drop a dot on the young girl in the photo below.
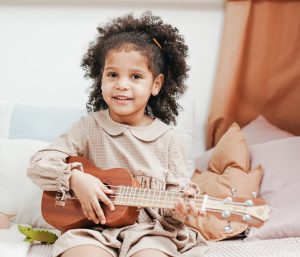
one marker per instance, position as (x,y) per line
(138,67)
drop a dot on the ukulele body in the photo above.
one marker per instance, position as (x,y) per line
(70,216)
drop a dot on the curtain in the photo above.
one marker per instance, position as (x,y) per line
(259,67)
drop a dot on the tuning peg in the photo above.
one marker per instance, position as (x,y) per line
(228,228)
(246,217)
(228,199)
(249,202)
(233,191)
(225,214)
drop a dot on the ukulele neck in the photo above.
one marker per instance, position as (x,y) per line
(138,197)
(129,196)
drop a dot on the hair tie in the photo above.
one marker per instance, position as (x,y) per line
(156,42)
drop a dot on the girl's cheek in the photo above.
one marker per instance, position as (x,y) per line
(105,89)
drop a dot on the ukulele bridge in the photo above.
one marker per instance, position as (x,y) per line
(60,198)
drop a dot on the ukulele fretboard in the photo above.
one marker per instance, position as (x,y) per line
(138,197)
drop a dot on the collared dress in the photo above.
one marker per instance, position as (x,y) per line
(154,155)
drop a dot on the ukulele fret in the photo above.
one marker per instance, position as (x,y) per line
(145,198)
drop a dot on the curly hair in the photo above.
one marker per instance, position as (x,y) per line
(160,43)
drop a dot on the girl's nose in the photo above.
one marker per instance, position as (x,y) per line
(122,84)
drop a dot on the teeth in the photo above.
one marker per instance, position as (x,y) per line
(122,98)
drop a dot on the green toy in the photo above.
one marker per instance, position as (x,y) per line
(32,234)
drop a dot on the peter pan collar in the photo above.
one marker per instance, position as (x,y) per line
(149,133)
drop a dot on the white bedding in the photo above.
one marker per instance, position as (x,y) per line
(11,243)
(286,247)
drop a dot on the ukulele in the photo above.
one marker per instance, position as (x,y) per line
(63,210)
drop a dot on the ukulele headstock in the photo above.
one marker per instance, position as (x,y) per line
(252,211)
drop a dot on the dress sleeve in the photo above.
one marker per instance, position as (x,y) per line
(177,178)
(48,168)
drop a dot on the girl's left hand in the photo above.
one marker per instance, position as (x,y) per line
(189,209)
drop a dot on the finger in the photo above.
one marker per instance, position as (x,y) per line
(98,210)
(201,212)
(182,208)
(189,191)
(91,213)
(176,207)
(105,189)
(192,209)
(84,210)
(103,197)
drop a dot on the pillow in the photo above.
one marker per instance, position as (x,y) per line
(4,221)
(41,122)
(18,195)
(256,132)
(261,130)
(228,169)
(186,128)
(280,187)
(5,115)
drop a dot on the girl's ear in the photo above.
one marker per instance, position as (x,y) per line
(157,84)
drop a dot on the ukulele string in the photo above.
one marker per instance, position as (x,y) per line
(133,197)
(176,194)
(187,204)
(198,199)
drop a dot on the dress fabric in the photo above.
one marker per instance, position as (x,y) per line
(154,154)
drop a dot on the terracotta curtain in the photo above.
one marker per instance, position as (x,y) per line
(259,67)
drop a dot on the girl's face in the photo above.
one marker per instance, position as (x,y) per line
(127,85)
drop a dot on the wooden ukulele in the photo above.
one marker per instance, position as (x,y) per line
(63,211)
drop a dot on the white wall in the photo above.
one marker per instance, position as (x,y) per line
(41,47)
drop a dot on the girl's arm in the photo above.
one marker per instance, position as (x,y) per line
(49,170)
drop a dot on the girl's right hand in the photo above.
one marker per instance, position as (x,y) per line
(89,190)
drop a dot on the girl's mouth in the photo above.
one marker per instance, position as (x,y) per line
(122,99)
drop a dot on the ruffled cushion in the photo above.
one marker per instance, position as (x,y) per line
(228,169)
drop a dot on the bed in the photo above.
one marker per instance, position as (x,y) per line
(259,91)
(20,197)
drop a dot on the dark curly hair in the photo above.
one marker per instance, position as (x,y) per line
(166,56)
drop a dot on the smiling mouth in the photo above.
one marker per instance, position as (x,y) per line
(122,98)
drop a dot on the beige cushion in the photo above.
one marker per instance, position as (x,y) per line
(258,131)
(228,169)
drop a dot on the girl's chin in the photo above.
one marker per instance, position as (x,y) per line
(122,109)
(121,112)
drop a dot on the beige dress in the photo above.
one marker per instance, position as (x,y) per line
(156,158)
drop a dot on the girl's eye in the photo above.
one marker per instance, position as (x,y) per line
(112,74)
(136,76)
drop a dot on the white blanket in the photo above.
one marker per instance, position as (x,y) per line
(11,242)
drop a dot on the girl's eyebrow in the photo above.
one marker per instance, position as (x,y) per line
(131,70)
(110,68)
(138,70)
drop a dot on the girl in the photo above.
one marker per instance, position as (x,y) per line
(138,68)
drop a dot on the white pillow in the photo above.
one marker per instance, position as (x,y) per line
(18,195)
(186,128)
(5,116)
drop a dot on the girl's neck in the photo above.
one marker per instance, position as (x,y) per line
(142,121)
